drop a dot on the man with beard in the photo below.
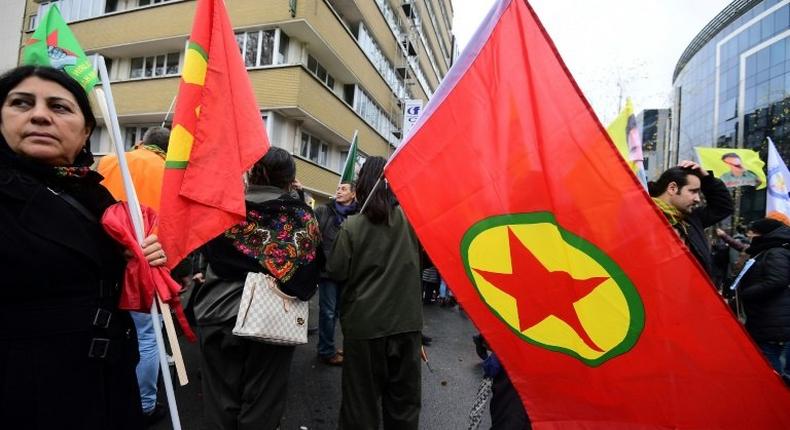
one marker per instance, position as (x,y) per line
(678,192)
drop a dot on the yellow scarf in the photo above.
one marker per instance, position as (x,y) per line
(674,216)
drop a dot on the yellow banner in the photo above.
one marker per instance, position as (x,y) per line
(618,131)
(735,167)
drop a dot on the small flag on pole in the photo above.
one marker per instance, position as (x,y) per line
(778,182)
(54,45)
(349,167)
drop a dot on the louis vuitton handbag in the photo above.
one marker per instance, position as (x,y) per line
(268,315)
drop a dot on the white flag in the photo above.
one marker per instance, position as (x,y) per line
(777,198)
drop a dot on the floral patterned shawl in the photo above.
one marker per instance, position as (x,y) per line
(281,234)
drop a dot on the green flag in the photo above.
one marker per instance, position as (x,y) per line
(347,174)
(54,45)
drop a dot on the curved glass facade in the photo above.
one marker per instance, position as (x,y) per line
(735,90)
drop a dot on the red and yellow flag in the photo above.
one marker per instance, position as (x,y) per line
(598,312)
(217,135)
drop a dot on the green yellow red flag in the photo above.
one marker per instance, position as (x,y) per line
(600,315)
(217,135)
(53,44)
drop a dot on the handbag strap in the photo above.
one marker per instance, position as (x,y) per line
(271,282)
(76,205)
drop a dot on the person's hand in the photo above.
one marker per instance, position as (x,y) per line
(688,164)
(153,252)
(198,278)
(720,232)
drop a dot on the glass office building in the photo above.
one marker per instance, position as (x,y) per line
(732,87)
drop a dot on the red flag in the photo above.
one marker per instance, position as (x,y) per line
(599,314)
(217,135)
(140,280)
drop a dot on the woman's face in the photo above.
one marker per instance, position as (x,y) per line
(42,120)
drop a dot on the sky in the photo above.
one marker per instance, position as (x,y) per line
(611,45)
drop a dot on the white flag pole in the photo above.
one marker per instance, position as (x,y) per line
(170,109)
(107,106)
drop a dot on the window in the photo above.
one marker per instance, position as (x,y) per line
(154,66)
(99,144)
(72,10)
(314,149)
(374,116)
(283,48)
(380,61)
(257,47)
(132,135)
(111,6)
(150,2)
(320,72)
(108,64)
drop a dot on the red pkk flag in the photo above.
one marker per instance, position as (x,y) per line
(602,318)
(217,135)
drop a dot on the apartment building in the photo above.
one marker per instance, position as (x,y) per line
(320,69)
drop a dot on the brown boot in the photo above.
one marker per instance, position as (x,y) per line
(333,360)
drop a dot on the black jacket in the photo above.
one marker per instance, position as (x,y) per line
(765,288)
(326,214)
(718,206)
(217,301)
(58,268)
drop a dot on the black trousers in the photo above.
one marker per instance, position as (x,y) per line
(382,375)
(244,381)
(507,410)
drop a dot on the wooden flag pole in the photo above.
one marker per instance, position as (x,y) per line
(106,104)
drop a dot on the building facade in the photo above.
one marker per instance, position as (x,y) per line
(320,69)
(732,87)
(654,124)
(11,32)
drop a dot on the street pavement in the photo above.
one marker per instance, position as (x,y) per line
(314,388)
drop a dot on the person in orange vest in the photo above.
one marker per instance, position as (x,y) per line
(147,167)
(146,164)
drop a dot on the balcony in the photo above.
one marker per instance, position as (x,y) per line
(288,90)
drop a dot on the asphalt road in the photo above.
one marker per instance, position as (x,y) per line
(314,388)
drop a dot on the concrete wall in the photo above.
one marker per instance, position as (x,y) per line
(12,18)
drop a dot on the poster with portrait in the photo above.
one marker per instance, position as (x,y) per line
(735,167)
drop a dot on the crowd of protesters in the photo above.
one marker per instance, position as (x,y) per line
(67,349)
(751,268)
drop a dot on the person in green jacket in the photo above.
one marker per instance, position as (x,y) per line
(376,259)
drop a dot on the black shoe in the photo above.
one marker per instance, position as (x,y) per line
(154,415)
(426,341)
(481,348)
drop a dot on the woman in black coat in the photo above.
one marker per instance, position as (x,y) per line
(245,381)
(765,291)
(67,354)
